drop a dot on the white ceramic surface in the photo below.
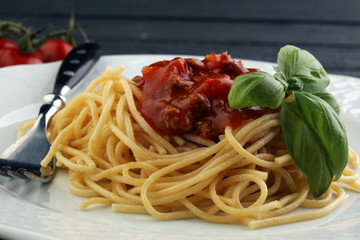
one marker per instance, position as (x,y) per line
(31,210)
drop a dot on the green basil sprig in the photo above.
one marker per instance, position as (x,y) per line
(314,134)
(301,70)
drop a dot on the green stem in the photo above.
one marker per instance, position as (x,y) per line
(40,41)
(14,28)
(83,33)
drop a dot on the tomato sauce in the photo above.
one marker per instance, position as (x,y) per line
(187,95)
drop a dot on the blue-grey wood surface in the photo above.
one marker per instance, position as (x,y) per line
(247,29)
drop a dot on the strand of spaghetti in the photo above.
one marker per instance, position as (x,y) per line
(320,202)
(103,135)
(119,149)
(240,187)
(80,190)
(103,192)
(138,152)
(258,126)
(234,179)
(110,146)
(354,158)
(201,141)
(105,77)
(55,145)
(284,159)
(128,125)
(250,194)
(210,217)
(348,176)
(107,173)
(261,174)
(89,163)
(108,100)
(287,177)
(255,129)
(120,110)
(24,127)
(135,90)
(160,149)
(295,201)
(62,123)
(95,200)
(355,185)
(140,165)
(237,146)
(118,70)
(94,110)
(263,141)
(100,161)
(75,175)
(296,217)
(125,208)
(133,198)
(178,140)
(79,121)
(244,211)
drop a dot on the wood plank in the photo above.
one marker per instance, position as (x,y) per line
(216,33)
(229,32)
(330,11)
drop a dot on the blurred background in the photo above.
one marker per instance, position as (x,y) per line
(247,29)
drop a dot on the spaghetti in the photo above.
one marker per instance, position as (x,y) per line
(114,157)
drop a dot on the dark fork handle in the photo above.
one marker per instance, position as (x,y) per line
(75,66)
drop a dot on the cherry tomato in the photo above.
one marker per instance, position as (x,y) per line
(12,56)
(6,43)
(54,50)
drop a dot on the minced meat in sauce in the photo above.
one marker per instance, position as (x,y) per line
(187,95)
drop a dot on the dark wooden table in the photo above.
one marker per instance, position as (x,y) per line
(247,29)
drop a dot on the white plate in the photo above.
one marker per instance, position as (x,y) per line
(31,210)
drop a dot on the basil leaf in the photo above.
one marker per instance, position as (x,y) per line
(308,153)
(281,78)
(326,124)
(329,98)
(302,70)
(256,89)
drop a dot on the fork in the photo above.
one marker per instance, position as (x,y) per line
(22,159)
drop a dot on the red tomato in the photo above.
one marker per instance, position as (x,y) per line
(12,56)
(6,43)
(54,50)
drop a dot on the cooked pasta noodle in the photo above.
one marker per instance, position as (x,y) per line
(115,158)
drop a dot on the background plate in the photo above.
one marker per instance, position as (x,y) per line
(31,210)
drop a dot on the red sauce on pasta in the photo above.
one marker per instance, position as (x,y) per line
(187,95)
